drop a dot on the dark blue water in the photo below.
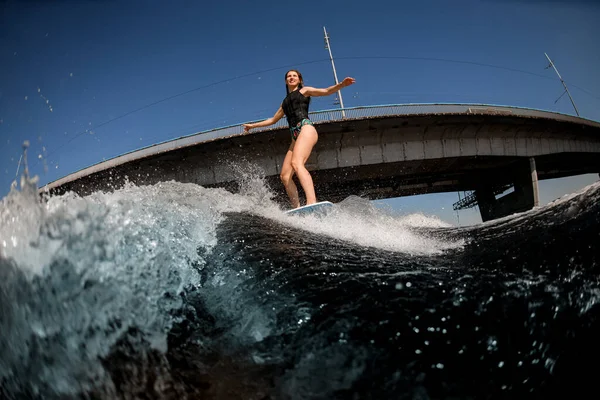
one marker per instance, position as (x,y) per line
(175,291)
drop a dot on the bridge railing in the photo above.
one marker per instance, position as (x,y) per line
(364,112)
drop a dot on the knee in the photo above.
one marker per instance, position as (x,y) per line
(297,164)
(286,176)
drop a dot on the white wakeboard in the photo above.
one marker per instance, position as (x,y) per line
(320,208)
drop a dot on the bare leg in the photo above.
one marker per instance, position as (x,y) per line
(287,173)
(304,144)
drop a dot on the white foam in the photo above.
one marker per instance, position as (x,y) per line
(361,223)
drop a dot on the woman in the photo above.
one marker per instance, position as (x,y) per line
(304,134)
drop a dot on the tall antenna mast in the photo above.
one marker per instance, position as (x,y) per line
(563,82)
(339,94)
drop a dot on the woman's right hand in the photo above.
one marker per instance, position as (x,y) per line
(247,127)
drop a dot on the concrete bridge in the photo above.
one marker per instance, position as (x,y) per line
(379,152)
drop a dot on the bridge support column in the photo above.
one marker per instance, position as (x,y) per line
(534,182)
(486,202)
(524,196)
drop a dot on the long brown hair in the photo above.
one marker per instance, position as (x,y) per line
(287,90)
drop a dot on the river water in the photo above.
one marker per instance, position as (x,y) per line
(175,291)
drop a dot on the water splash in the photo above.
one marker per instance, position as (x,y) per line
(93,269)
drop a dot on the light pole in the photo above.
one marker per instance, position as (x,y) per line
(339,93)
(563,82)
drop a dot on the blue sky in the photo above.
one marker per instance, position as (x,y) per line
(77,77)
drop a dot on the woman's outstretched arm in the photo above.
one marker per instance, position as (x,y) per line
(311,91)
(278,115)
